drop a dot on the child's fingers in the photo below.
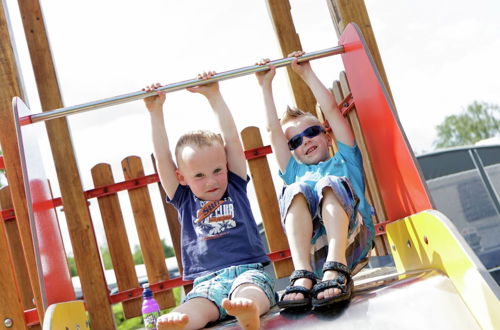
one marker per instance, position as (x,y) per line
(263,61)
(296,53)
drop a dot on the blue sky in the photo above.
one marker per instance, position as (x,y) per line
(439,56)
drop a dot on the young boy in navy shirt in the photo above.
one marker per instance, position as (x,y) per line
(221,247)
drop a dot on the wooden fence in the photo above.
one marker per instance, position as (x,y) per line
(146,225)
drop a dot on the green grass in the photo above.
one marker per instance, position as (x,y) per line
(137,322)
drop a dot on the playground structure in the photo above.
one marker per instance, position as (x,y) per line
(419,239)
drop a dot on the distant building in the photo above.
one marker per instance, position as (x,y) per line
(464,184)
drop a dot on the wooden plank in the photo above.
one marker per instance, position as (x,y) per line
(116,236)
(16,250)
(344,12)
(11,86)
(11,307)
(149,238)
(289,41)
(374,197)
(174,227)
(266,198)
(75,205)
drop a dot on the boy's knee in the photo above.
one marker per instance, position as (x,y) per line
(298,192)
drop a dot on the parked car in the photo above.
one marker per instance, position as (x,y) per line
(140,270)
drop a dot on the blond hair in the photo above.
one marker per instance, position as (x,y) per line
(199,138)
(293,113)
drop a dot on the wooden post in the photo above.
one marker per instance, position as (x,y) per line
(174,227)
(11,308)
(75,205)
(116,236)
(373,193)
(16,250)
(344,12)
(10,82)
(147,230)
(289,41)
(268,203)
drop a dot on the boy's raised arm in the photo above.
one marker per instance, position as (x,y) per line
(164,161)
(236,161)
(339,124)
(278,139)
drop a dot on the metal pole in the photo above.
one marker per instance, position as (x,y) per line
(62,112)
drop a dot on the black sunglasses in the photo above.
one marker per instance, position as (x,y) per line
(309,132)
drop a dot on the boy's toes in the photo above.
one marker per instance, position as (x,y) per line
(328,293)
(294,296)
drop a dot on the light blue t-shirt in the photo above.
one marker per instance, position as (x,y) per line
(346,162)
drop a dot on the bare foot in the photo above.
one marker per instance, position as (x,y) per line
(245,311)
(172,321)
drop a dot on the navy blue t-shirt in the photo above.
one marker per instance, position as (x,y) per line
(217,234)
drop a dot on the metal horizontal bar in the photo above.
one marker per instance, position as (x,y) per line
(62,112)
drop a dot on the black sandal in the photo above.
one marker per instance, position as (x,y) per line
(302,303)
(342,281)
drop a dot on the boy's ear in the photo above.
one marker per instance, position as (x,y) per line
(180,177)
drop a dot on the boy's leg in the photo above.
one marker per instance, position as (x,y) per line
(247,303)
(299,228)
(336,222)
(193,314)
(252,294)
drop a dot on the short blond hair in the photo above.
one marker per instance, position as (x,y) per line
(293,113)
(199,138)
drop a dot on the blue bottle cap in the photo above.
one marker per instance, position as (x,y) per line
(146,292)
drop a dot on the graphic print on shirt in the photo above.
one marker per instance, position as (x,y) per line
(214,218)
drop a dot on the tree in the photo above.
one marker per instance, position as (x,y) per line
(106,258)
(137,255)
(479,121)
(72,266)
(168,252)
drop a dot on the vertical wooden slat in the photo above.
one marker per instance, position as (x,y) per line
(75,205)
(339,93)
(375,199)
(149,238)
(116,236)
(266,198)
(174,227)
(10,82)
(289,41)
(10,301)
(17,252)
(344,12)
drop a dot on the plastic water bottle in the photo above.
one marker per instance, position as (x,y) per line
(150,308)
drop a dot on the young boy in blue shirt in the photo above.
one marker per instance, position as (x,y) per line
(221,247)
(322,205)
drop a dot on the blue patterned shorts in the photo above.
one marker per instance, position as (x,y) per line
(221,284)
(359,241)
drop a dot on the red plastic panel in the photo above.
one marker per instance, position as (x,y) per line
(403,191)
(51,258)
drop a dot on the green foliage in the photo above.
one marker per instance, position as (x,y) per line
(479,121)
(168,251)
(72,266)
(137,322)
(106,258)
(137,256)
